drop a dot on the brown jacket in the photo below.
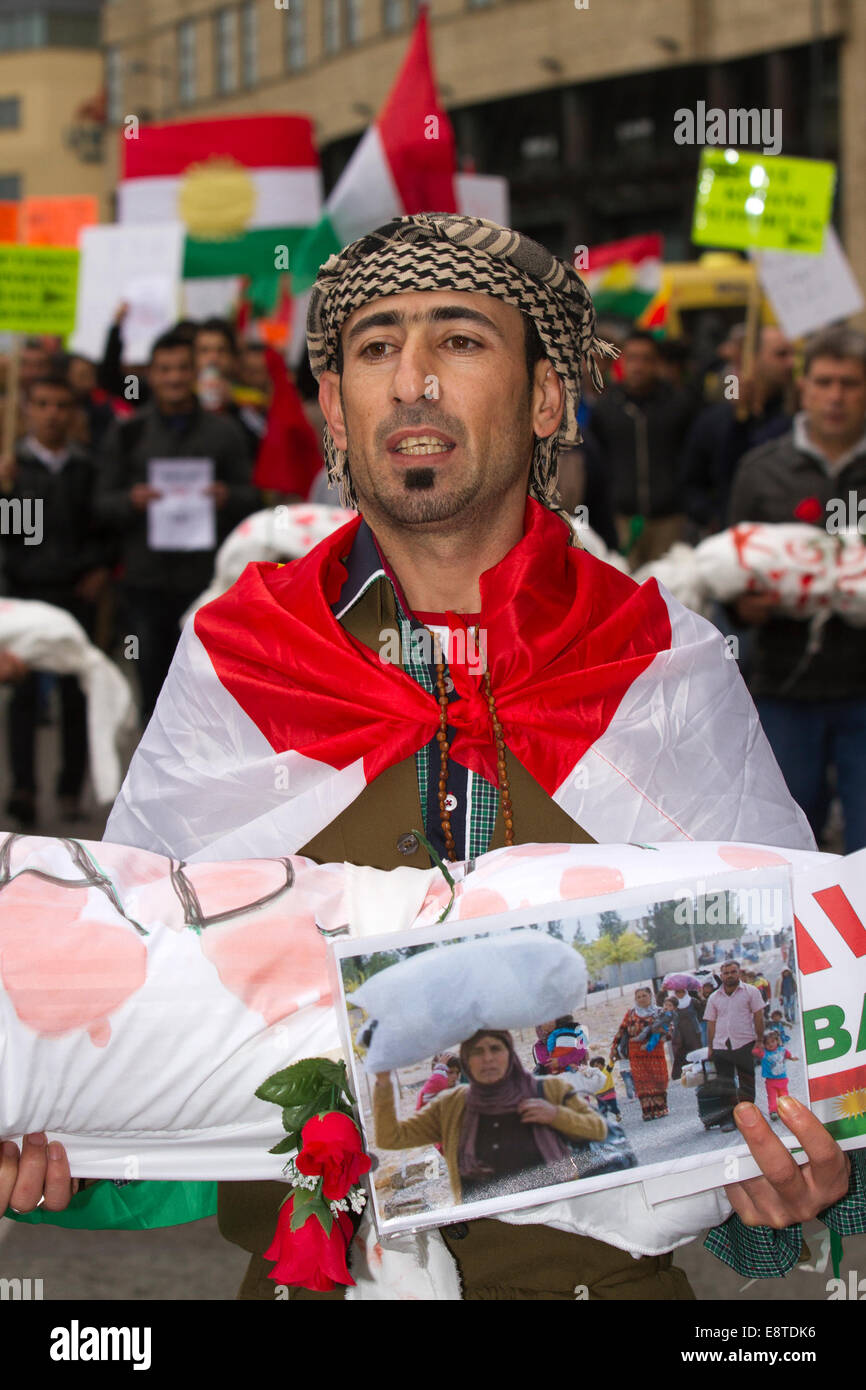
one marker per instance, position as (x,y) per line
(441,1121)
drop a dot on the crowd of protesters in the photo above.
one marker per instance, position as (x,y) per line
(85,435)
(674,450)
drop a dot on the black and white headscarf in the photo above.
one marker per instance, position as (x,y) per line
(447,251)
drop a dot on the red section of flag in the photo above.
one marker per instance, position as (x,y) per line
(288,458)
(630,248)
(838,1083)
(810,957)
(416,133)
(573,638)
(257,142)
(835,903)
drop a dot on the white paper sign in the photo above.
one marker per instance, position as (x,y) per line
(183,518)
(809,292)
(137,265)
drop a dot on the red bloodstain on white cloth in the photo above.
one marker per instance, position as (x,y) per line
(748,857)
(62,970)
(590,880)
(480,902)
(275,963)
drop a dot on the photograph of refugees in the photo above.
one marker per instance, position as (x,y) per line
(662,1018)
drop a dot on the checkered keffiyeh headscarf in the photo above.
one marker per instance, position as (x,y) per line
(447,251)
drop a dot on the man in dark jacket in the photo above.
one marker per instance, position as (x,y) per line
(811,690)
(68,567)
(160,583)
(726,430)
(638,429)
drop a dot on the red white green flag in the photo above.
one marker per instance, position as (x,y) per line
(244,187)
(622,276)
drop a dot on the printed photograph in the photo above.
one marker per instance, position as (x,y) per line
(494,1067)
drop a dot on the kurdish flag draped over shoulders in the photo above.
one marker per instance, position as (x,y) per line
(405,163)
(243,186)
(621,703)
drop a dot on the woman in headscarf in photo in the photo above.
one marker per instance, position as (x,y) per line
(506,1131)
(649,1068)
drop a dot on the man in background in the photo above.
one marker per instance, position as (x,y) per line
(161,583)
(68,568)
(637,431)
(810,685)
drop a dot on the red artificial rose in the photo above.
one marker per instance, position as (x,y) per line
(331,1150)
(809,509)
(308,1258)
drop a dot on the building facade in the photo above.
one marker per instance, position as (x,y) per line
(51,109)
(573,101)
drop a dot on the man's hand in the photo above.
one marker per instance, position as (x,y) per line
(91,584)
(537,1111)
(219,492)
(755,609)
(12,668)
(788,1193)
(142,493)
(42,1170)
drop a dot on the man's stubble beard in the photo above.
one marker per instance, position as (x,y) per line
(419,501)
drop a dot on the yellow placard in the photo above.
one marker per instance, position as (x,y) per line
(768,202)
(37,289)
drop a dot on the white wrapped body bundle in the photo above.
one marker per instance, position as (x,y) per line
(143,1002)
(443,996)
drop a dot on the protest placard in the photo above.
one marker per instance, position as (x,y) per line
(132,264)
(37,289)
(809,292)
(57,221)
(770,202)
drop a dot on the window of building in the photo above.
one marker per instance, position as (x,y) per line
(113,86)
(332,28)
(226,50)
(10,113)
(478,4)
(71,30)
(21,31)
(186,62)
(397,13)
(249,44)
(353,21)
(296,36)
(10,188)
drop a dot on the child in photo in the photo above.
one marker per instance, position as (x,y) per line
(777,1022)
(774,1069)
(661,1029)
(606,1097)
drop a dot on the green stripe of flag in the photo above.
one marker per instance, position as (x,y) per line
(850,1127)
(260,251)
(317,244)
(136,1206)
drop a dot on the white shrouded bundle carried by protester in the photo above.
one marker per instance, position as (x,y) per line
(422,1004)
(813,573)
(285,532)
(143,1001)
(46,638)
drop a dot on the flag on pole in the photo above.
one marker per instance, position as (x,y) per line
(622,276)
(405,163)
(247,189)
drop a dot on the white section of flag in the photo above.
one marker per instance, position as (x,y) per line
(685,756)
(365,195)
(284,198)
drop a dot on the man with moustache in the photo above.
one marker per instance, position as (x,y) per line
(449,354)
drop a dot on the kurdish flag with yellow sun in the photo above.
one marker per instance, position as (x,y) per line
(830,936)
(246,188)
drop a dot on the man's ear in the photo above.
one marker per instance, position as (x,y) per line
(332,407)
(548,399)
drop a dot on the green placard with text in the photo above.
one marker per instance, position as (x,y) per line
(38,285)
(751,201)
